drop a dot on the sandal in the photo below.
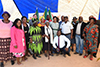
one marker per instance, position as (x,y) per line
(91,57)
(85,56)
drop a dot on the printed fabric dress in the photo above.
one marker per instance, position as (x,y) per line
(91,40)
(36,46)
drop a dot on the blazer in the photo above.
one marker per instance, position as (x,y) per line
(17,37)
(82,28)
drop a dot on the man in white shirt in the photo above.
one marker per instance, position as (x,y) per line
(78,36)
(67,29)
(59,43)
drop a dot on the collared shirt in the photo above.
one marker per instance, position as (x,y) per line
(78,29)
(62,40)
(66,27)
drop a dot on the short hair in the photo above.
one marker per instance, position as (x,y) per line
(15,23)
(66,17)
(23,18)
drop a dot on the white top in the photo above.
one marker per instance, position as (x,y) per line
(78,29)
(66,27)
(62,41)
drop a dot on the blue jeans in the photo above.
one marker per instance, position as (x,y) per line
(68,36)
(79,41)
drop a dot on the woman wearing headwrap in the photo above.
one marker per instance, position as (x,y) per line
(90,34)
(48,38)
(5,39)
(42,23)
(35,40)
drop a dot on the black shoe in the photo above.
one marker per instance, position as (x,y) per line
(34,57)
(72,50)
(80,54)
(51,54)
(12,62)
(76,53)
(68,54)
(64,55)
(39,56)
(2,65)
(45,55)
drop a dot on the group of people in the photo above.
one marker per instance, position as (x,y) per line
(20,38)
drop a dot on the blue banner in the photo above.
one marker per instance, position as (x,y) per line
(29,6)
(1,9)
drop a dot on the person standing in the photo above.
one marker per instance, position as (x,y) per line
(78,36)
(47,38)
(62,20)
(91,34)
(25,27)
(67,30)
(42,23)
(59,43)
(5,39)
(73,41)
(55,26)
(35,39)
(18,45)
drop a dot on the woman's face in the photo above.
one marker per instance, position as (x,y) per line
(55,20)
(91,21)
(24,20)
(47,23)
(5,16)
(19,23)
(42,20)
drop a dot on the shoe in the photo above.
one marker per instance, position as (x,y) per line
(39,56)
(72,50)
(76,53)
(34,57)
(91,58)
(85,56)
(2,65)
(45,55)
(12,62)
(64,55)
(28,55)
(68,54)
(80,54)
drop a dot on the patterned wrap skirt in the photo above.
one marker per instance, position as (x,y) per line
(5,54)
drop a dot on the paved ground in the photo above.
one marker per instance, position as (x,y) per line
(59,61)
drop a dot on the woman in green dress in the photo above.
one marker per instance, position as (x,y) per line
(35,40)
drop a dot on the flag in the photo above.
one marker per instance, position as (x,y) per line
(45,13)
(37,13)
(99,14)
(50,14)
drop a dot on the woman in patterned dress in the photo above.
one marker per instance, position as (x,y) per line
(90,34)
(35,39)
(18,45)
(5,39)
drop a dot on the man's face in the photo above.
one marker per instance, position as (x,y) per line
(62,18)
(80,19)
(59,33)
(66,19)
(75,20)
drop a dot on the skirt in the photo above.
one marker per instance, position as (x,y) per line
(47,47)
(5,54)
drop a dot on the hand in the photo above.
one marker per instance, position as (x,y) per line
(15,46)
(57,49)
(66,49)
(71,37)
(43,35)
(30,40)
(48,37)
(25,31)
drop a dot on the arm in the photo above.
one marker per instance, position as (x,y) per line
(68,41)
(54,43)
(13,37)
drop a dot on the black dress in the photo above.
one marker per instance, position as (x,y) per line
(26,35)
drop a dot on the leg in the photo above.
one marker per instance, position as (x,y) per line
(77,44)
(81,46)
(2,64)
(18,61)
